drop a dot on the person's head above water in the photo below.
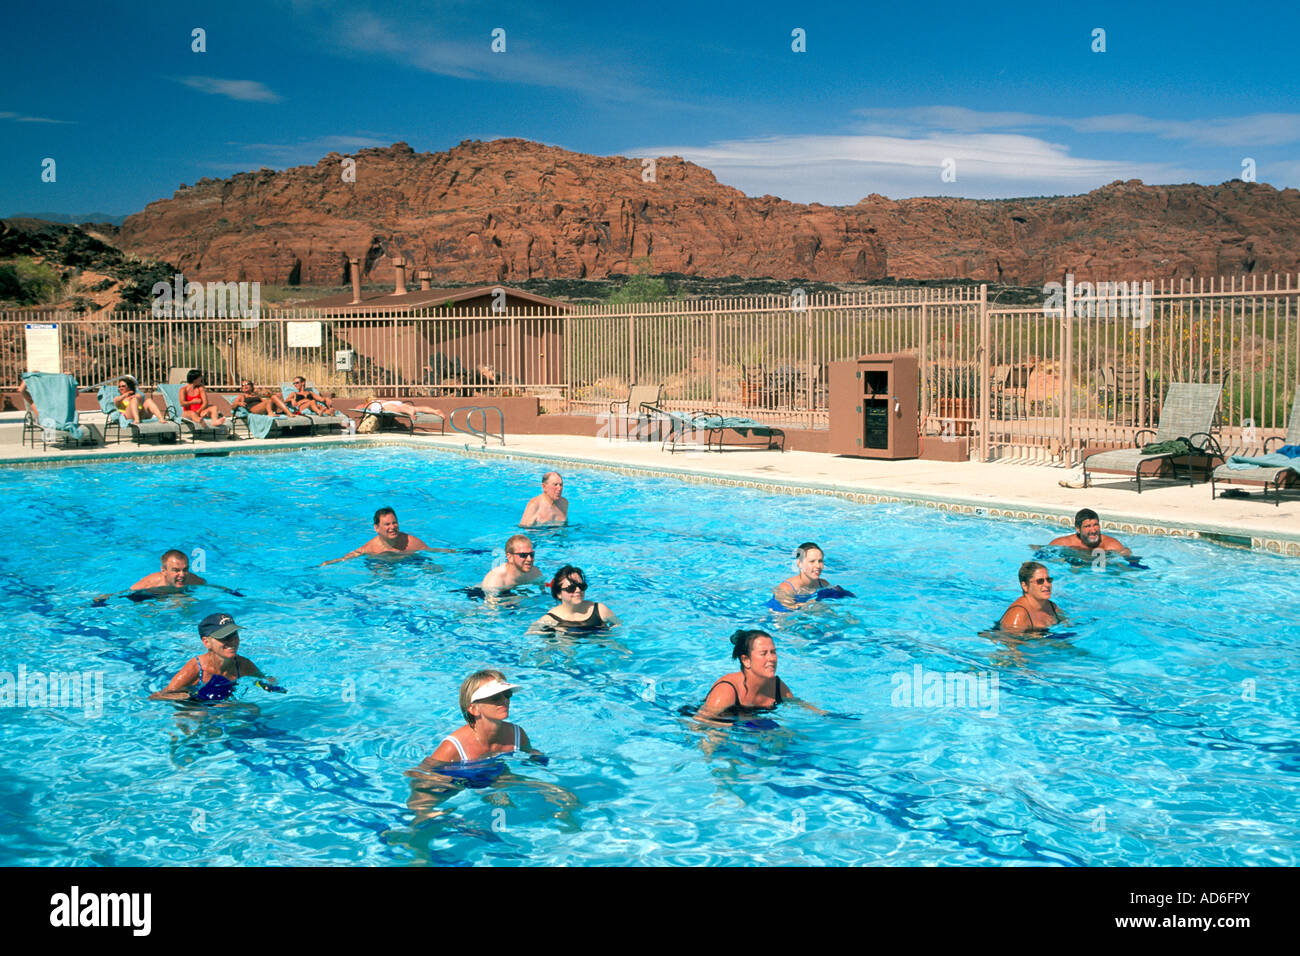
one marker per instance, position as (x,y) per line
(386,523)
(1087,525)
(1035,578)
(566,579)
(220,635)
(810,559)
(175,566)
(755,650)
(552,485)
(483,689)
(519,551)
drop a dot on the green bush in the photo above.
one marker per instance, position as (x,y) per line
(26,282)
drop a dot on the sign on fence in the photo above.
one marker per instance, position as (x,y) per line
(43,353)
(303,335)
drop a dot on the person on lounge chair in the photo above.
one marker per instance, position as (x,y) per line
(376,406)
(257,402)
(1088,537)
(194,401)
(389,540)
(308,401)
(132,406)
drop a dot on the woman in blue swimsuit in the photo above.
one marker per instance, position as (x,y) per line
(212,675)
(485,704)
(808,584)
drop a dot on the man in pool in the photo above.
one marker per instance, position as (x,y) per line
(518,569)
(1088,537)
(175,574)
(550,507)
(389,540)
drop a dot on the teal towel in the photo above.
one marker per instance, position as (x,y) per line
(1264,461)
(56,400)
(259,426)
(172,396)
(105,396)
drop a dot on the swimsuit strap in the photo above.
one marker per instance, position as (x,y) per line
(778,690)
(459,749)
(516,736)
(733,687)
(200,663)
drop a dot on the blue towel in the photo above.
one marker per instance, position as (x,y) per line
(1244,462)
(105,397)
(1291,451)
(259,426)
(56,400)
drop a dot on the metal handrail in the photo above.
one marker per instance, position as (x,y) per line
(482,433)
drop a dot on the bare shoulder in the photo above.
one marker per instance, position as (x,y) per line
(148,581)
(1065,541)
(247,668)
(415,544)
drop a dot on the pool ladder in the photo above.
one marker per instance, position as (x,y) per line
(481,433)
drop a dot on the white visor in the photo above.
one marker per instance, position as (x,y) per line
(491,689)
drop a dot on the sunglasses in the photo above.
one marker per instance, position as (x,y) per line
(1040,581)
(498,698)
(574,587)
(522,554)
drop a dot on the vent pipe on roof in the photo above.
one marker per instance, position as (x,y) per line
(425,276)
(356,280)
(399,265)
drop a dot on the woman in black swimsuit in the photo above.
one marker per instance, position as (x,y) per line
(754,687)
(574,612)
(1034,610)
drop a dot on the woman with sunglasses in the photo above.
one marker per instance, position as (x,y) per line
(574,612)
(1034,609)
(131,406)
(485,704)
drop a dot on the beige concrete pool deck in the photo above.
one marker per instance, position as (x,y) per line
(992,490)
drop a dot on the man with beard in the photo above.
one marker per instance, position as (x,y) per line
(1088,537)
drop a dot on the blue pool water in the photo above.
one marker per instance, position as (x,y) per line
(1165,731)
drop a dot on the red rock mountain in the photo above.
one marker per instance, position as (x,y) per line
(509,210)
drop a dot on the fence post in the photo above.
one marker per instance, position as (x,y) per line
(631,345)
(1067,371)
(984,372)
(713,360)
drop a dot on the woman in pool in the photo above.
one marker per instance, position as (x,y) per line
(574,612)
(485,703)
(755,687)
(1034,609)
(808,584)
(212,675)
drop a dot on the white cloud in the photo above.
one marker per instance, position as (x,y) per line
(20,118)
(840,170)
(246,90)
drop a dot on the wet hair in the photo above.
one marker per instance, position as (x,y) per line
(804,548)
(381,512)
(1027,570)
(517,539)
(472,683)
(549,475)
(175,553)
(743,641)
(565,573)
(1085,514)
(193,376)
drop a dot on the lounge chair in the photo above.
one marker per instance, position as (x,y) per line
(1188,412)
(335,419)
(55,398)
(640,400)
(714,426)
(114,419)
(1278,472)
(389,418)
(172,396)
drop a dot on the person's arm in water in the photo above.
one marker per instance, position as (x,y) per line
(788,696)
(530,514)
(364,549)
(494,580)
(192,578)
(721,697)
(608,616)
(1110,544)
(1016,619)
(178,687)
(784,595)
(421,546)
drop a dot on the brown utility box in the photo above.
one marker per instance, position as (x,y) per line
(873,407)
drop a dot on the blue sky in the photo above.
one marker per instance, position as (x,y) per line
(1012,101)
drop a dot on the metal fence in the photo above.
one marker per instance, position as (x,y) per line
(1030,383)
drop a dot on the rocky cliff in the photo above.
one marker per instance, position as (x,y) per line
(510,210)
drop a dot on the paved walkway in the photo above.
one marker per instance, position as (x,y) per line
(1030,491)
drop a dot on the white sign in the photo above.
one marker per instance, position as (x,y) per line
(343,360)
(43,348)
(303,335)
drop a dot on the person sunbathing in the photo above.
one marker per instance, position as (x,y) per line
(378,406)
(305,400)
(194,401)
(132,406)
(257,402)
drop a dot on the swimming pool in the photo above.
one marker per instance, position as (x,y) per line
(1164,732)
